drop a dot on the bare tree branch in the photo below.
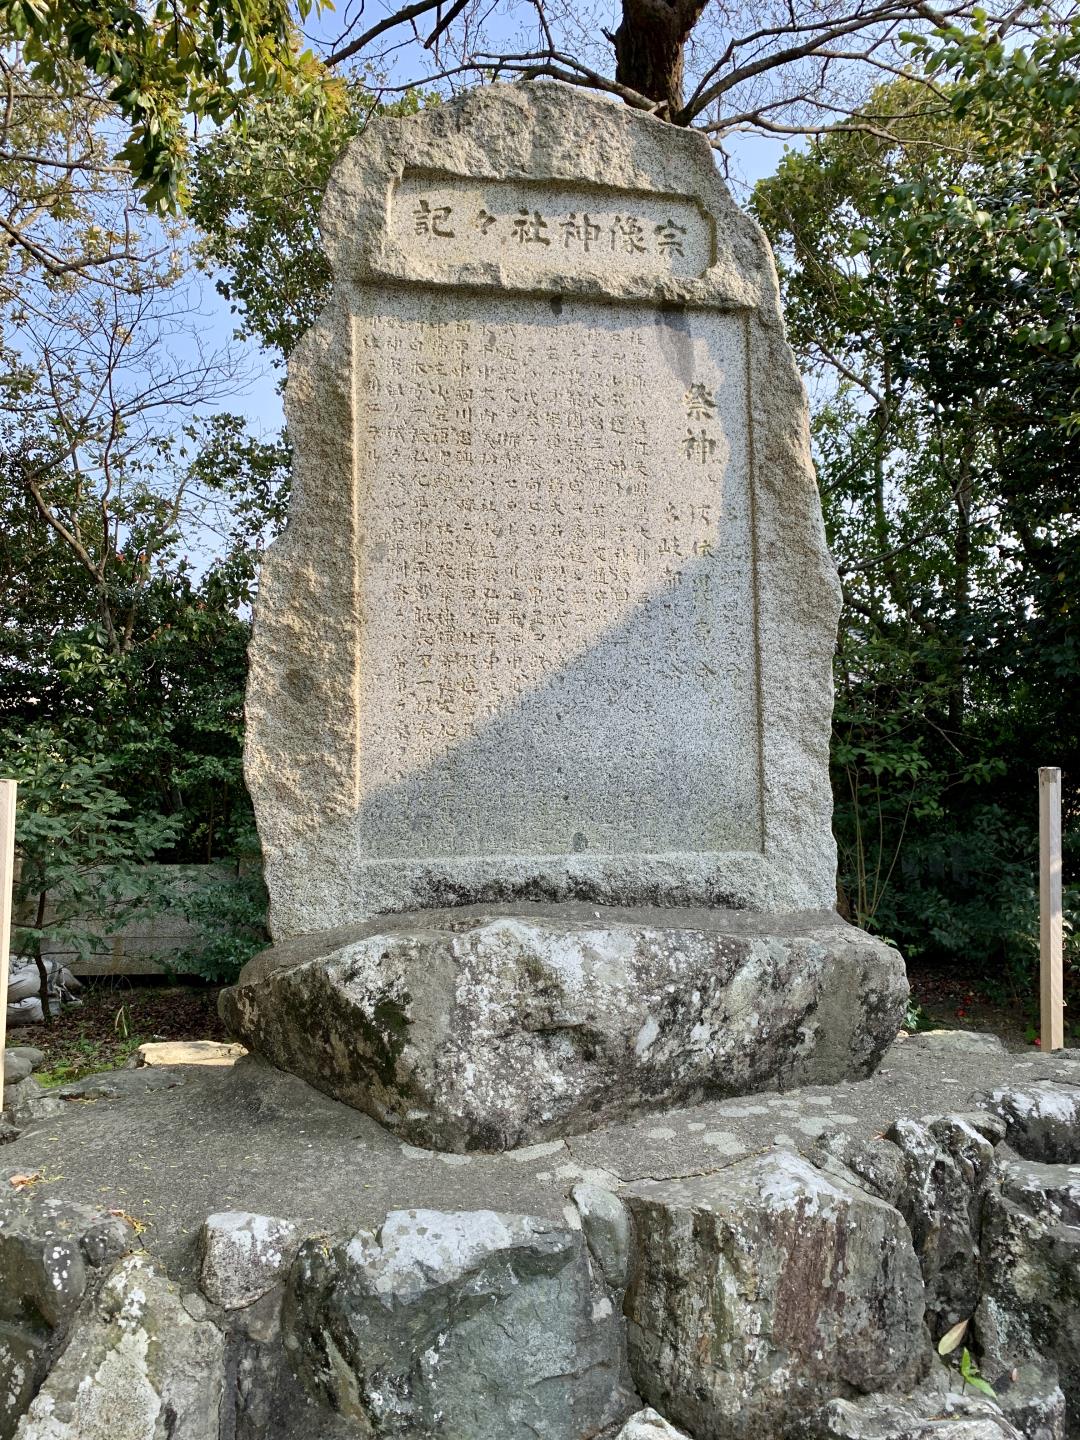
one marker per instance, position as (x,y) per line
(388,22)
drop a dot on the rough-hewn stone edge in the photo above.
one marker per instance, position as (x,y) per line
(790,925)
(798,611)
(539,131)
(299,744)
(301,756)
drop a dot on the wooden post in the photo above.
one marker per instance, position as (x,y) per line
(7,882)
(1051,1000)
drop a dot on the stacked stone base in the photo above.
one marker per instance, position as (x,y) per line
(782,1290)
(782,1294)
(486,1028)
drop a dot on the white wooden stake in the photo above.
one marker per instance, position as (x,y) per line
(1051,1000)
(8,789)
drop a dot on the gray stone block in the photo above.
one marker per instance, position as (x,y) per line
(761,1292)
(948,1168)
(482,1028)
(31,1053)
(16,1067)
(606,1224)
(1032,1400)
(1030,1301)
(467,1326)
(138,1366)
(27,1101)
(243,1256)
(928,1415)
(553,616)
(1042,1119)
(52,1254)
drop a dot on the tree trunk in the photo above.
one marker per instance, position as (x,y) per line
(961,588)
(649,46)
(43,974)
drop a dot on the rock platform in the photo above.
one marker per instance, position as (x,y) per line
(224,1254)
(490,1027)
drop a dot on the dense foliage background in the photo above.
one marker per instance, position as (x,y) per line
(932,288)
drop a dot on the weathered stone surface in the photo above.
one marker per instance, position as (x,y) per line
(948,1167)
(936,1172)
(24,1360)
(480,1029)
(930,1414)
(170,1156)
(242,1256)
(174,1156)
(554,613)
(469,1326)
(1033,1401)
(762,1291)
(47,1248)
(1042,1119)
(16,1067)
(1031,1275)
(138,1367)
(877,1166)
(606,1224)
(113,1084)
(27,1101)
(187,1052)
(959,1042)
(26,1052)
(648,1425)
(991,1127)
(51,1253)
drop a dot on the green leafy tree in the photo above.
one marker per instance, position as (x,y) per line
(931,276)
(230,918)
(158,68)
(256,196)
(81,851)
(145,656)
(128,737)
(129,527)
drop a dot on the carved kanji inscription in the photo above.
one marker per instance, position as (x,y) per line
(557,577)
(554,228)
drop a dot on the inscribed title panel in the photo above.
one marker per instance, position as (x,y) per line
(545,227)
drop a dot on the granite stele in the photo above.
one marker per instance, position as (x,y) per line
(541,666)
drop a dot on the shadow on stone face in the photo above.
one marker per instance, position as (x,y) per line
(611,780)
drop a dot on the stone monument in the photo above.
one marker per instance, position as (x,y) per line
(540,693)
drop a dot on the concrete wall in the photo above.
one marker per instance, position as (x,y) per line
(144,945)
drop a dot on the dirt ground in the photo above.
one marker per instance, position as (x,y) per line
(948,1000)
(115,1018)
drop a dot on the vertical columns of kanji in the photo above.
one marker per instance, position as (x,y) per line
(1051,1018)
(7,882)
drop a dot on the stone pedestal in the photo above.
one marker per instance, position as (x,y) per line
(232,1256)
(485,1028)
